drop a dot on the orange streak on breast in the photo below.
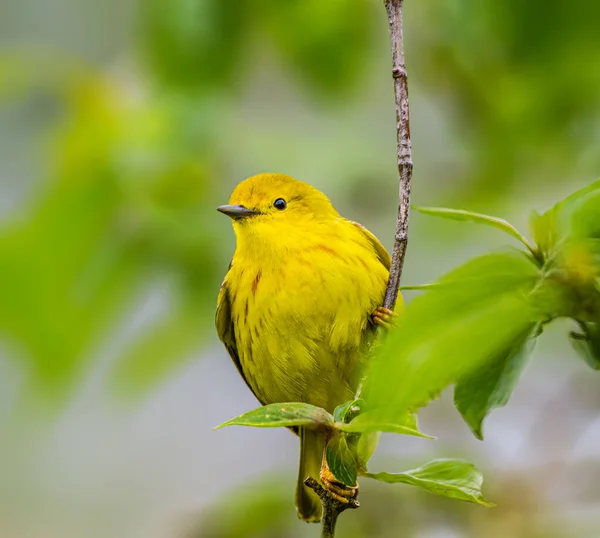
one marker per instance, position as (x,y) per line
(329,250)
(256,281)
(363,263)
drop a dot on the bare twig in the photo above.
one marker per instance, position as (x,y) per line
(405,165)
(404,156)
(332,508)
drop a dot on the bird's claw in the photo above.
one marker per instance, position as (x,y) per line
(385,317)
(340,492)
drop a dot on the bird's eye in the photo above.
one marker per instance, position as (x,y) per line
(280,204)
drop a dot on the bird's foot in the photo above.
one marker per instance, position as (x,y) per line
(340,492)
(385,317)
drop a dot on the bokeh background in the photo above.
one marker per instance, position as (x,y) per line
(124,123)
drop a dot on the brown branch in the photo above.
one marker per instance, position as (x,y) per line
(332,508)
(405,165)
(404,158)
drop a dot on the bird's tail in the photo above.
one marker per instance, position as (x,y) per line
(308,504)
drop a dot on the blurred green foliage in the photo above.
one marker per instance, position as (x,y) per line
(124,202)
(194,44)
(327,45)
(139,143)
(517,73)
(203,45)
(523,511)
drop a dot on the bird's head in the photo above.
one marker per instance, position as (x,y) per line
(276,202)
(274,213)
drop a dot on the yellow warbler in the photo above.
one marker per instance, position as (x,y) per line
(299,303)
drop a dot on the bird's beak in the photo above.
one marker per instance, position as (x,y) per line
(236,211)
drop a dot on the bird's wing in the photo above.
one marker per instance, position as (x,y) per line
(226,329)
(382,253)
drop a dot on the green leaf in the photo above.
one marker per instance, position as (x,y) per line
(585,219)
(283,415)
(341,411)
(569,287)
(366,446)
(478,218)
(568,204)
(587,344)
(491,274)
(341,460)
(449,331)
(456,479)
(543,230)
(491,385)
(562,219)
(367,422)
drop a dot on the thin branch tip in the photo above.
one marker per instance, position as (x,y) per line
(403,149)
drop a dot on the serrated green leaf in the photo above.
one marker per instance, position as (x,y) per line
(491,385)
(478,218)
(456,479)
(369,422)
(283,415)
(341,461)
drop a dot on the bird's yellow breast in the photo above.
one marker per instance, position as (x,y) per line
(302,313)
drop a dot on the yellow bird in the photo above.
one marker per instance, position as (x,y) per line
(299,303)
